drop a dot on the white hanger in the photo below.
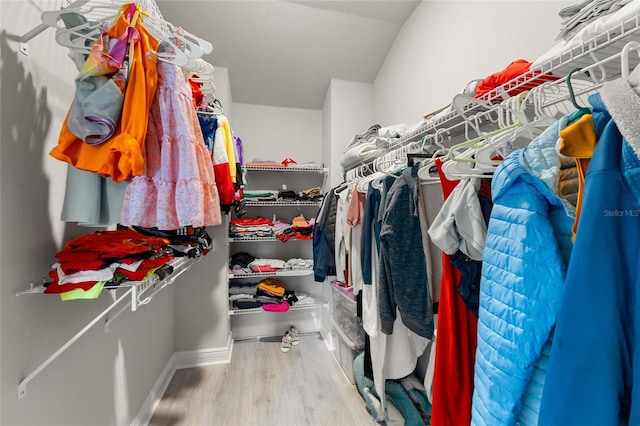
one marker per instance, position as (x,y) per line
(97,12)
(441,152)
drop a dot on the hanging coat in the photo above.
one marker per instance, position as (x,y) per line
(527,247)
(592,377)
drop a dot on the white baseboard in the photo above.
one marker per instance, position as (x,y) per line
(155,395)
(180,360)
(201,357)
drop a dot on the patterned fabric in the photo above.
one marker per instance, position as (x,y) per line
(178,186)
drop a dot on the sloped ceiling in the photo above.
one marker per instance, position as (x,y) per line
(284,53)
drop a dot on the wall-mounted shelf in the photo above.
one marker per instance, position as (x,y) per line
(282,203)
(294,273)
(287,169)
(294,307)
(260,239)
(136,293)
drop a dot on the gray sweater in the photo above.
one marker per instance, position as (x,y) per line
(403,275)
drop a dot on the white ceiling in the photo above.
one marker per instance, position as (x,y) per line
(283,53)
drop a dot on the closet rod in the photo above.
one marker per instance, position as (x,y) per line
(22,387)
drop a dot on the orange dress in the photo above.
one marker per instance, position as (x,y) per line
(120,157)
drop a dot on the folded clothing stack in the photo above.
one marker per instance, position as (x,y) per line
(266,265)
(251,227)
(260,195)
(311,194)
(89,262)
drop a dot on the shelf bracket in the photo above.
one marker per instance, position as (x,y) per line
(22,387)
(135,295)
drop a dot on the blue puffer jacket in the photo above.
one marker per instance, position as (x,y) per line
(524,265)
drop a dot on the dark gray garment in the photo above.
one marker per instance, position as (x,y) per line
(403,274)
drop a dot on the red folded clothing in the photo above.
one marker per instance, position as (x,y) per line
(248,221)
(512,71)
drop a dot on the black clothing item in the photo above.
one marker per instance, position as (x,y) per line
(469,287)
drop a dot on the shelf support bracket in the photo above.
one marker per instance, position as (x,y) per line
(22,387)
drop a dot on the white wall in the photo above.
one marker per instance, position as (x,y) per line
(445,44)
(350,107)
(201,301)
(276,133)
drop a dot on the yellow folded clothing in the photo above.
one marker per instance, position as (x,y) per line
(272,286)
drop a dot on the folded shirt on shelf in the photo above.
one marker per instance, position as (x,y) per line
(260,195)
(271,287)
(297,264)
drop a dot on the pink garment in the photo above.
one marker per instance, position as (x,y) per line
(355,212)
(178,186)
(276,307)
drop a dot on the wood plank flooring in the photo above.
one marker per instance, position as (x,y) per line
(264,386)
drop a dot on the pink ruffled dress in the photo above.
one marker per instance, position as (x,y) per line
(178,186)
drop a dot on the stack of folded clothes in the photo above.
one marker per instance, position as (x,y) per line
(266,265)
(311,194)
(302,228)
(297,264)
(256,295)
(89,262)
(288,195)
(239,263)
(248,227)
(260,195)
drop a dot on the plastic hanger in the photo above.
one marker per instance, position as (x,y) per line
(178,45)
(580,110)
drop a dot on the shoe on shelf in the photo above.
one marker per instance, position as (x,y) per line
(295,336)
(287,340)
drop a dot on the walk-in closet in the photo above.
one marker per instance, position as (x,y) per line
(237,213)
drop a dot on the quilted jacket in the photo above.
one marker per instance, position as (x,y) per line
(524,265)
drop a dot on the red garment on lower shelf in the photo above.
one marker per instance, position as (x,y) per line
(456,343)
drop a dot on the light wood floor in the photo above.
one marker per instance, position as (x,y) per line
(263,386)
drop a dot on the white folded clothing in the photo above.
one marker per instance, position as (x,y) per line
(273,263)
(298,264)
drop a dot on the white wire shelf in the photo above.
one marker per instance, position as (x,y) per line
(249,203)
(293,273)
(179,265)
(294,307)
(322,170)
(260,239)
(604,44)
(137,292)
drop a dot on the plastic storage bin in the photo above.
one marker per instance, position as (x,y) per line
(345,351)
(345,315)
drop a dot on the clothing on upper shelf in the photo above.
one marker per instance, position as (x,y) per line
(510,72)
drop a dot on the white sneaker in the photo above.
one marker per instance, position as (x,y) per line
(287,340)
(295,336)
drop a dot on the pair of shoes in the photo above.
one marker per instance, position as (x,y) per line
(293,332)
(290,338)
(287,341)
